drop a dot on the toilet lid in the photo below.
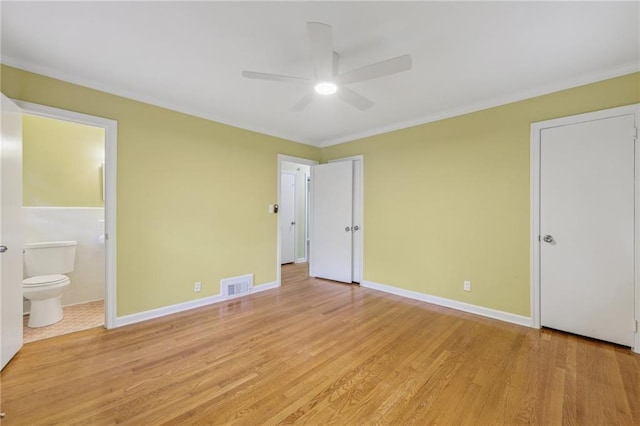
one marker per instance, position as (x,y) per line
(44,280)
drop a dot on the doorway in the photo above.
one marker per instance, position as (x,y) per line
(354,268)
(293,240)
(102,230)
(293,212)
(584,254)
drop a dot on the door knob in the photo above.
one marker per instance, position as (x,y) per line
(347,229)
(355,228)
(3,249)
(293,223)
(547,239)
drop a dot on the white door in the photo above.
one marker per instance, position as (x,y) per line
(287,217)
(357,222)
(331,221)
(358,189)
(10,230)
(587,229)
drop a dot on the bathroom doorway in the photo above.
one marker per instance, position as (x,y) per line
(69,194)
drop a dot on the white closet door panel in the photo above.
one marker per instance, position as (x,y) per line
(331,221)
(587,218)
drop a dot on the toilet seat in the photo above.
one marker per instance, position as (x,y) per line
(45,280)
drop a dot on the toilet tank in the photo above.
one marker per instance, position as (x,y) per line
(48,258)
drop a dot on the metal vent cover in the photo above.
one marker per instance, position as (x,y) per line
(236,286)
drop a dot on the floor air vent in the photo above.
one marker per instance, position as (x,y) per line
(236,286)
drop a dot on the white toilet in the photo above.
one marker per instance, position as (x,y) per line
(44,265)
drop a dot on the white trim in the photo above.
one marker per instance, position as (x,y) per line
(536,129)
(490,103)
(110,209)
(290,159)
(449,303)
(360,220)
(265,287)
(185,306)
(301,260)
(534,228)
(465,109)
(168,310)
(112,90)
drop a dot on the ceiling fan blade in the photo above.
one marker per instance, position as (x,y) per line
(379,69)
(303,103)
(274,77)
(321,39)
(354,99)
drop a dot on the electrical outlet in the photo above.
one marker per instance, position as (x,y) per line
(467,286)
(197,287)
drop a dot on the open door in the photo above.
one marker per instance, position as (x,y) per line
(287,217)
(331,251)
(11,239)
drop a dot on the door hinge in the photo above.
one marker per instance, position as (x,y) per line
(635,326)
(635,133)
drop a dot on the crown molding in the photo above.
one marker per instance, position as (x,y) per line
(441,115)
(106,88)
(495,102)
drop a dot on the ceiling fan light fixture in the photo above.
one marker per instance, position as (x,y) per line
(326,88)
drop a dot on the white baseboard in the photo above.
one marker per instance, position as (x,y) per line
(454,304)
(266,286)
(185,306)
(301,260)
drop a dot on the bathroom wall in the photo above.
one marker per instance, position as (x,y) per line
(79,224)
(62,163)
(62,198)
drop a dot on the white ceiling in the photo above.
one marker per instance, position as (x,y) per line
(188,56)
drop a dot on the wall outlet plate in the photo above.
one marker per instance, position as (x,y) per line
(467,286)
(197,286)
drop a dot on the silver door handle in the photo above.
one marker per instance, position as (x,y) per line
(356,228)
(3,249)
(293,223)
(547,239)
(347,229)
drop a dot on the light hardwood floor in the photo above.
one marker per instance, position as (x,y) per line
(319,352)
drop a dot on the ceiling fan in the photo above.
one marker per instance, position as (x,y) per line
(327,80)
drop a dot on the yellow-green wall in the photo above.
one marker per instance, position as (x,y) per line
(62,163)
(192,194)
(448,201)
(444,202)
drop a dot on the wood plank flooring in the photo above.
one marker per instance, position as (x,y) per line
(318,352)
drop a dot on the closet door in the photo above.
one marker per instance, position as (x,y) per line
(587,226)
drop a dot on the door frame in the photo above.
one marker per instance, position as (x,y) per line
(111,140)
(281,158)
(536,130)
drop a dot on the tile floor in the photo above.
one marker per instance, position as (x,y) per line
(76,318)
